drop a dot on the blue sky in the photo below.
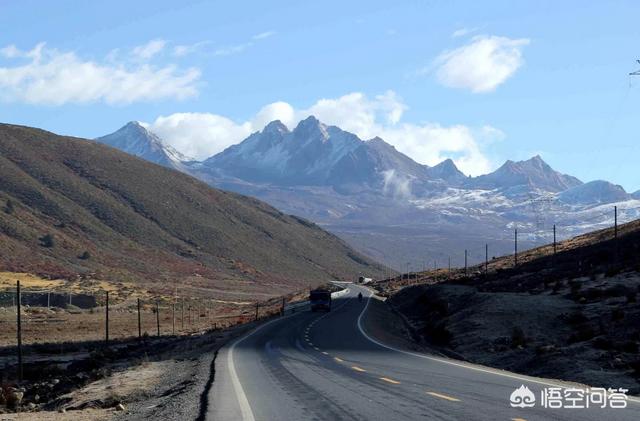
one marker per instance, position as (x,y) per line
(481,82)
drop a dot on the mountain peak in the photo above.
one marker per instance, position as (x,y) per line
(276,126)
(448,171)
(533,173)
(137,140)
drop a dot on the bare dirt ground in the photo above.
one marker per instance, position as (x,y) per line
(160,378)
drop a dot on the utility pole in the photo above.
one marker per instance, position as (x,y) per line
(407,270)
(486,258)
(19,330)
(257,311)
(106,320)
(465,262)
(449,270)
(615,222)
(139,321)
(554,240)
(515,255)
(158,317)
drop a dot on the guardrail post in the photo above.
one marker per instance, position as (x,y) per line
(256,311)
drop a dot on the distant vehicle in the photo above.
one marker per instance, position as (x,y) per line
(363,280)
(320,300)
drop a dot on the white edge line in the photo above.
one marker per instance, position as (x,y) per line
(462,365)
(243,402)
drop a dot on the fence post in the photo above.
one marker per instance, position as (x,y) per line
(182,315)
(19,330)
(256,311)
(48,300)
(173,317)
(106,322)
(282,310)
(139,321)
(158,316)
(615,222)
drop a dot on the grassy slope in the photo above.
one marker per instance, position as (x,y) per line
(141,221)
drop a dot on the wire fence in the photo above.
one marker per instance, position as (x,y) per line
(41,317)
(545,240)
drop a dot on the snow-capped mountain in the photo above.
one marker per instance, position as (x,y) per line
(136,140)
(534,173)
(305,155)
(389,206)
(598,191)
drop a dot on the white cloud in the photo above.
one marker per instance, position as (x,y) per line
(396,185)
(462,32)
(52,77)
(150,49)
(232,49)
(185,49)
(482,65)
(199,135)
(264,35)
(202,134)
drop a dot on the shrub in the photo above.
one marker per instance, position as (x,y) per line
(576,318)
(583,332)
(518,337)
(629,346)
(47,240)
(603,343)
(617,314)
(8,208)
(85,255)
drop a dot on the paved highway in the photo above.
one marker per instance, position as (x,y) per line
(326,366)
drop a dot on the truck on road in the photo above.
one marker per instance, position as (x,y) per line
(320,299)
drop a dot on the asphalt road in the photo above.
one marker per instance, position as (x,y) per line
(325,366)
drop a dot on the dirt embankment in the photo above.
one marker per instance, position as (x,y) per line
(584,329)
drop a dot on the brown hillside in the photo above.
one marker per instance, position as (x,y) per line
(573,316)
(71,207)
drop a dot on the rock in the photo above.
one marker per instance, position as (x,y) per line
(14,397)
(55,381)
(62,410)
(120,407)
(31,406)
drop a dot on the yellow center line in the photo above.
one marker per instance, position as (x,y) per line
(388,380)
(340,360)
(362,370)
(441,396)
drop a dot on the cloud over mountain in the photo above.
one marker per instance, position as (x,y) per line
(204,134)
